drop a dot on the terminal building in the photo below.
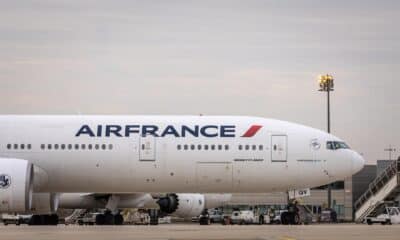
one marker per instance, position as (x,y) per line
(344,194)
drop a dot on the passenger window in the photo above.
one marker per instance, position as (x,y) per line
(240,147)
(260,147)
(178,147)
(192,147)
(83,146)
(56,146)
(226,147)
(206,147)
(49,146)
(42,146)
(247,147)
(8,146)
(199,147)
(110,146)
(29,146)
(254,147)
(15,146)
(103,146)
(76,146)
(186,147)
(69,146)
(219,147)
(22,146)
(62,146)
(90,146)
(212,147)
(97,146)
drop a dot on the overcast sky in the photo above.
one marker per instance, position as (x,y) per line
(257,58)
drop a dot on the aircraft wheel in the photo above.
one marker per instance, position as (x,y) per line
(295,219)
(35,220)
(284,218)
(118,219)
(100,219)
(109,219)
(52,219)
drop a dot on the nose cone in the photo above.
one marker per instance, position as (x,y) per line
(357,162)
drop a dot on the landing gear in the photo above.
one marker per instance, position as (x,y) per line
(153,213)
(43,220)
(109,219)
(118,219)
(290,218)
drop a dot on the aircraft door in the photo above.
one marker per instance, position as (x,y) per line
(147,148)
(279,148)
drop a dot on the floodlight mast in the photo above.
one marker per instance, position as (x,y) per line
(326,85)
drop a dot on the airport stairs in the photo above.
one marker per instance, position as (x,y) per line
(77,213)
(384,189)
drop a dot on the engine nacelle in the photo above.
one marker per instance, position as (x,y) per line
(44,203)
(16,185)
(190,204)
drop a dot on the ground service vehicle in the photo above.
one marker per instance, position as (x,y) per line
(390,216)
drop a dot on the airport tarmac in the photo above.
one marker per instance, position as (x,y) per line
(197,232)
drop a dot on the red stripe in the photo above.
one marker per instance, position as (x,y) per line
(252,131)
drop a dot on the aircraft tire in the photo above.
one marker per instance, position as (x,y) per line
(118,219)
(100,219)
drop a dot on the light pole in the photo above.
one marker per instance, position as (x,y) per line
(390,150)
(326,85)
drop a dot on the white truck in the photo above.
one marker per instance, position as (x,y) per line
(391,215)
(248,217)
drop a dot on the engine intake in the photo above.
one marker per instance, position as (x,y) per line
(16,185)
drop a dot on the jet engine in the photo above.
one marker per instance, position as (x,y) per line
(190,204)
(16,185)
(44,203)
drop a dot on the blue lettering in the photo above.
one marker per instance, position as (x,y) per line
(170,130)
(85,129)
(131,129)
(204,132)
(149,130)
(194,132)
(114,129)
(227,131)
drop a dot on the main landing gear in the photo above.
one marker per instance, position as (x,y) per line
(43,220)
(107,218)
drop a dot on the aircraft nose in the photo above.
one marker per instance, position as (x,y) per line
(357,162)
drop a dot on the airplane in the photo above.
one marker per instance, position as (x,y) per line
(43,155)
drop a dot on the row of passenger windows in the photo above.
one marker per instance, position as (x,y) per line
(200,147)
(76,146)
(251,147)
(217,147)
(19,146)
(61,146)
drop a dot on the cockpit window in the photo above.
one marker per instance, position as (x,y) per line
(334,145)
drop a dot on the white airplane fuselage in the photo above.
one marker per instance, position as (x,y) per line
(209,154)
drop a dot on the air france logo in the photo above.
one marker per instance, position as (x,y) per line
(209,131)
(5,181)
